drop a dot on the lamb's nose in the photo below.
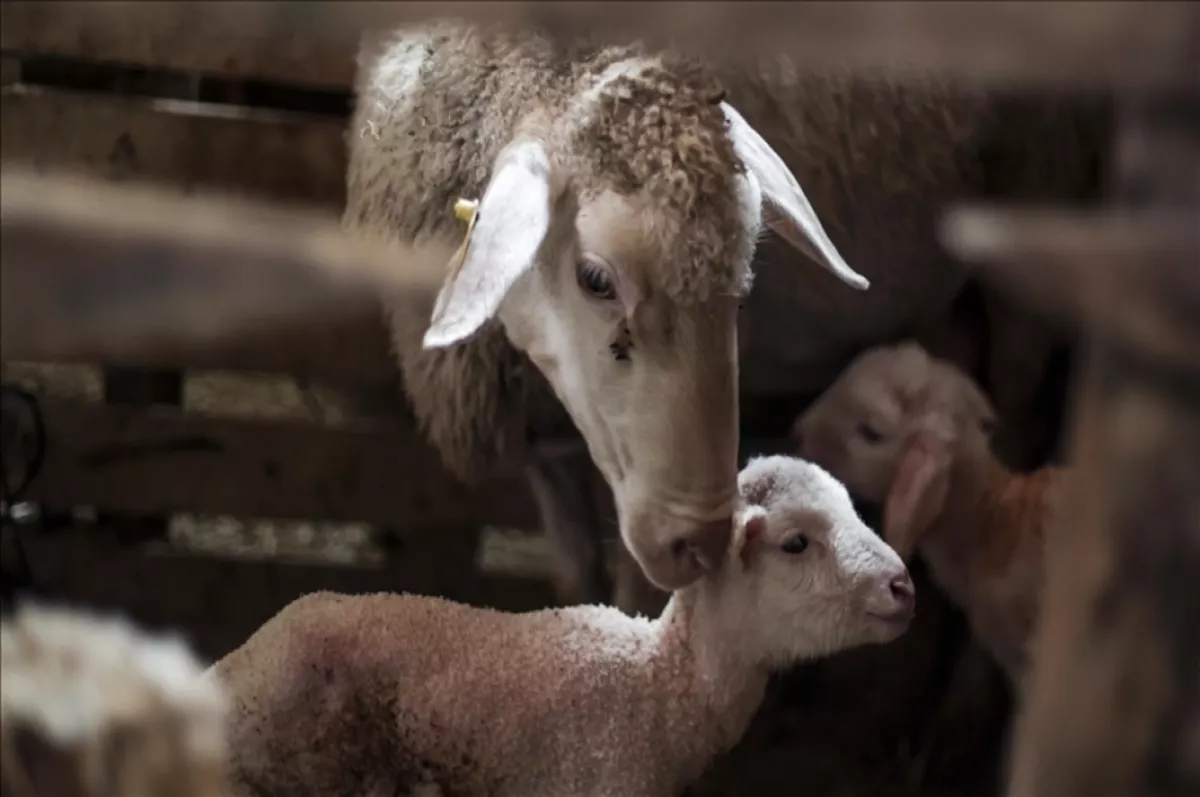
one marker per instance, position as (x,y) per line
(903,593)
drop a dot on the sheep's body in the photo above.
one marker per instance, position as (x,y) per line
(381,694)
(90,706)
(430,119)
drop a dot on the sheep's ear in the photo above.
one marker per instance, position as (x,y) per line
(750,524)
(786,209)
(918,492)
(511,222)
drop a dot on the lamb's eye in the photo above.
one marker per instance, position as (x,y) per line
(797,544)
(868,432)
(595,281)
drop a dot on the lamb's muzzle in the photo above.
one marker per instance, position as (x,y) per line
(892,598)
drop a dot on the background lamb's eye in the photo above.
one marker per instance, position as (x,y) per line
(595,281)
(868,432)
(797,544)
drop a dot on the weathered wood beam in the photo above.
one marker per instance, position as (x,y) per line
(189,146)
(161,460)
(218,602)
(293,158)
(1120,275)
(118,269)
(1049,42)
(1113,704)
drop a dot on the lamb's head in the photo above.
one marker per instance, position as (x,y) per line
(890,427)
(803,564)
(613,244)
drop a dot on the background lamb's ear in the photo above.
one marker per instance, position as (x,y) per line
(918,492)
(512,220)
(786,209)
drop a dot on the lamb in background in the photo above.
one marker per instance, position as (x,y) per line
(911,432)
(92,707)
(376,694)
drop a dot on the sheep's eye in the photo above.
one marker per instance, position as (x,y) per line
(868,433)
(595,281)
(797,544)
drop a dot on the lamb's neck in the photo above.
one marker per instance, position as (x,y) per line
(720,681)
(986,506)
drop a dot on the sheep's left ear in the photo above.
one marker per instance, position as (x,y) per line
(918,492)
(785,207)
(512,220)
(749,525)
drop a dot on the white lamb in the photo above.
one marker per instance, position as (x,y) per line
(381,694)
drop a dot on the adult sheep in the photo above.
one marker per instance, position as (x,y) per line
(636,337)
(620,201)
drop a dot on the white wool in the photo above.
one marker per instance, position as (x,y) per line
(74,675)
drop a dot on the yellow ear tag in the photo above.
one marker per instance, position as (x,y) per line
(464,210)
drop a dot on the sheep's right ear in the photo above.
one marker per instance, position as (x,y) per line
(749,525)
(786,209)
(918,492)
(511,222)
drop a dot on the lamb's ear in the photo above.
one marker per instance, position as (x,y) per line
(786,209)
(918,492)
(749,525)
(511,222)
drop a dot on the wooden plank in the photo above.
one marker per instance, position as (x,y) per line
(217,603)
(159,460)
(276,156)
(1050,42)
(112,271)
(10,71)
(232,39)
(1132,277)
(136,387)
(273,155)
(1113,701)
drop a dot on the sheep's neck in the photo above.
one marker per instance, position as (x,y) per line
(979,549)
(718,681)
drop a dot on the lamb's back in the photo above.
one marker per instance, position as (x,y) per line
(384,691)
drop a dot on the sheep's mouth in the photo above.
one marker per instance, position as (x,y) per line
(894,622)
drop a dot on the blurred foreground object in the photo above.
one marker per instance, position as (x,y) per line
(1113,707)
(113,269)
(1048,42)
(92,707)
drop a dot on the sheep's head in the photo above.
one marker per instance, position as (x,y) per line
(890,427)
(819,578)
(613,244)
